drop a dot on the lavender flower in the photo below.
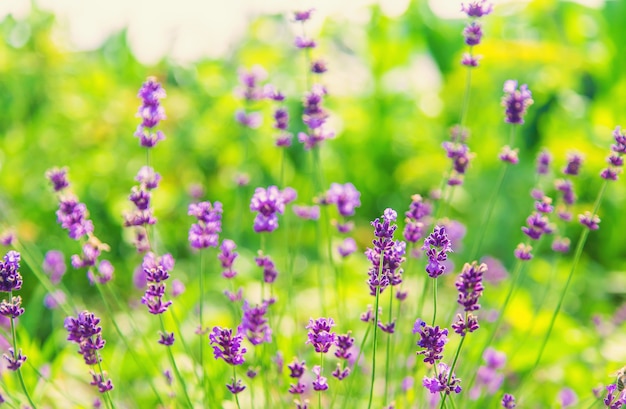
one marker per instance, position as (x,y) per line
(269,268)
(227,258)
(436,245)
(297,369)
(250,81)
(432,339)
(386,256)
(615,159)
(307,212)
(254,323)
(347,247)
(85,331)
(320,383)
(418,211)
(488,376)
(226,346)
(320,334)
(567,398)
(54,266)
(7,237)
(205,233)
(151,113)
(544,158)
(14,362)
(470,285)
(469,60)
(516,101)
(508,401)
(10,277)
(537,225)
(509,155)
(318,67)
(302,16)
(473,33)
(58,178)
(592,222)
(314,115)
(615,398)
(73,216)
(235,387)
(268,203)
(523,252)
(345,197)
(459,153)
(443,382)
(477,8)
(157,271)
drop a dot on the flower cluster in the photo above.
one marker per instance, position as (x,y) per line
(228,347)
(516,101)
(432,339)
(436,246)
(344,343)
(615,159)
(157,271)
(615,398)
(151,113)
(415,219)
(470,286)
(11,280)
(296,371)
(458,152)
(85,331)
(73,216)
(508,401)
(269,268)
(346,198)
(314,116)
(254,323)
(320,334)
(488,376)
(473,31)
(142,214)
(205,233)
(269,203)
(320,383)
(443,381)
(387,255)
(227,256)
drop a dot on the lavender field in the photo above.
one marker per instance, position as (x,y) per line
(391,208)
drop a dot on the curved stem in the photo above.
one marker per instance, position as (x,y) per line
(380,270)
(389,342)
(15,352)
(179,377)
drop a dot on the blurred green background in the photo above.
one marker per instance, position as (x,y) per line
(395,88)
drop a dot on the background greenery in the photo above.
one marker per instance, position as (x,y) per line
(77,109)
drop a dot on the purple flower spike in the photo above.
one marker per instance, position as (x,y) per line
(473,33)
(255,325)
(508,401)
(516,102)
(151,113)
(509,155)
(345,197)
(432,339)
(523,252)
(320,334)
(543,162)
(469,60)
(166,338)
(574,162)
(227,258)
(302,16)
(14,362)
(58,178)
(205,233)
(347,247)
(10,277)
(386,256)
(268,203)
(235,387)
(320,383)
(227,346)
(470,285)
(269,268)
(436,245)
(591,221)
(443,382)
(477,8)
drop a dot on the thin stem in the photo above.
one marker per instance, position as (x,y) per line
(175,367)
(380,270)
(456,357)
(15,353)
(235,383)
(577,254)
(319,393)
(201,332)
(356,362)
(434,300)
(389,342)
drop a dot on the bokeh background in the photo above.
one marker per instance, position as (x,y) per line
(70,71)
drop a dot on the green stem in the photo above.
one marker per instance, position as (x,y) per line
(456,357)
(380,270)
(434,300)
(201,313)
(356,362)
(15,352)
(579,250)
(389,342)
(235,383)
(175,367)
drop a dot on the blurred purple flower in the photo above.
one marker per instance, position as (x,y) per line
(516,101)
